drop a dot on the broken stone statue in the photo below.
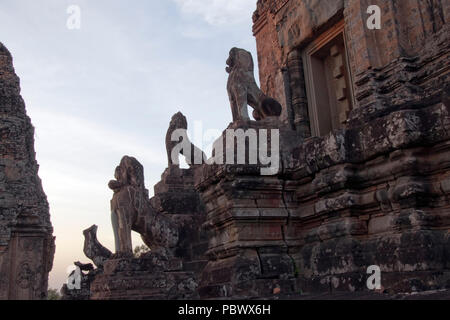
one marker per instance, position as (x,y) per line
(178,130)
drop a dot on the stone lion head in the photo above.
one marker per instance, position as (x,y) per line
(239,59)
(129,173)
(178,121)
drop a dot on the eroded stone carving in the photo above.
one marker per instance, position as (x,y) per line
(131,210)
(93,249)
(26,277)
(182,145)
(243,90)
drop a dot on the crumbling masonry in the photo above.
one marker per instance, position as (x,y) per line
(26,242)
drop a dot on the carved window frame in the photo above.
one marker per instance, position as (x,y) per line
(311,90)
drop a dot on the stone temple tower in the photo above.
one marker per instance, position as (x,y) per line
(26,241)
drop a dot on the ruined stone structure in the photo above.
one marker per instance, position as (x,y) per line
(368,183)
(170,223)
(26,241)
(363,176)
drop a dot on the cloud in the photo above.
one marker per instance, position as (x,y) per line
(218,12)
(83,143)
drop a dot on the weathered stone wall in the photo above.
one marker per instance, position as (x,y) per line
(176,197)
(400,64)
(26,241)
(375,194)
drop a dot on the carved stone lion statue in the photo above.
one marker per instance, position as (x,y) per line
(177,142)
(243,90)
(131,210)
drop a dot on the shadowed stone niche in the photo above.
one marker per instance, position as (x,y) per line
(26,242)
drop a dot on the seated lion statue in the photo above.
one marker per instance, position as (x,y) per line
(131,210)
(243,90)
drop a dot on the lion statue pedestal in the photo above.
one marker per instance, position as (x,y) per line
(149,277)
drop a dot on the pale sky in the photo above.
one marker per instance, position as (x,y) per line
(110,88)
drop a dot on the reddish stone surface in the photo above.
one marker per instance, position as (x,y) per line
(404,63)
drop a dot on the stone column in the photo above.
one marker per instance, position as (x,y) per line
(299,101)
